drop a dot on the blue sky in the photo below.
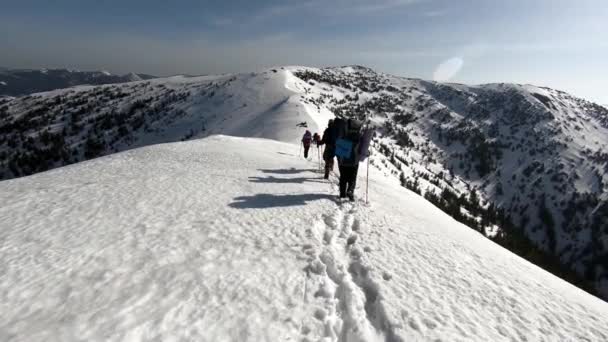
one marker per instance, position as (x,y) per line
(556,43)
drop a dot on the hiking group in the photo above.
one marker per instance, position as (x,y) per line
(349,143)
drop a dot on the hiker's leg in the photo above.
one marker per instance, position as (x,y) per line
(327,167)
(352,180)
(343,179)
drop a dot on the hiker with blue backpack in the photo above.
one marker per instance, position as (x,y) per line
(349,137)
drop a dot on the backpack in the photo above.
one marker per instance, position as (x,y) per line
(339,128)
(353,129)
(307,138)
(348,138)
(344,148)
(347,128)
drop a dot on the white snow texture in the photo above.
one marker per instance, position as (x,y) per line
(240,239)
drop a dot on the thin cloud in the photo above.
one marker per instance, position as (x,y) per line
(435,13)
(271,12)
(482,48)
(331,8)
(400,53)
(221,21)
(385,5)
(318,8)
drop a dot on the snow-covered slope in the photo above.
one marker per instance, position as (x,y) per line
(529,159)
(524,165)
(237,239)
(50,129)
(18,82)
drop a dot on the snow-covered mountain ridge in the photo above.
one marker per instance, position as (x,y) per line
(238,239)
(500,157)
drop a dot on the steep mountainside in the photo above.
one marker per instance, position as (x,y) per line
(531,158)
(19,82)
(519,163)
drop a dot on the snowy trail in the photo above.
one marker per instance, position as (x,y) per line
(339,281)
(237,239)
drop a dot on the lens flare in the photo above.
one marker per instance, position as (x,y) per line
(448,69)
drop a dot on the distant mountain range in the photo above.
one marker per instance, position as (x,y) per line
(19,82)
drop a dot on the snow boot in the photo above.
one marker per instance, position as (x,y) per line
(351,196)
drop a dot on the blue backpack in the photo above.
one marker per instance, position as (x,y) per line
(348,138)
(344,148)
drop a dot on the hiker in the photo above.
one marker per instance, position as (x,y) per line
(329,140)
(306,139)
(348,140)
(316,139)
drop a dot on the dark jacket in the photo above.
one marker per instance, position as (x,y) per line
(316,138)
(329,140)
(306,139)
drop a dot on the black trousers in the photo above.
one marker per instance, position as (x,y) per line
(306,148)
(348,179)
(329,166)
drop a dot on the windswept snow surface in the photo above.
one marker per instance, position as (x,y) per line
(237,239)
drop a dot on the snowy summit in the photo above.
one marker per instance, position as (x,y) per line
(232,236)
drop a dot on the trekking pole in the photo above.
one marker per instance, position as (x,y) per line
(368,156)
(319,156)
(300,152)
(367,183)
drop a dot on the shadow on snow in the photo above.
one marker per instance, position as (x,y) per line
(271,179)
(290,171)
(261,201)
(288,154)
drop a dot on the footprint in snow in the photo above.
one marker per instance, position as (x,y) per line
(320,314)
(351,239)
(328,237)
(306,246)
(356,225)
(306,330)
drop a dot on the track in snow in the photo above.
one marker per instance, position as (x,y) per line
(351,305)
